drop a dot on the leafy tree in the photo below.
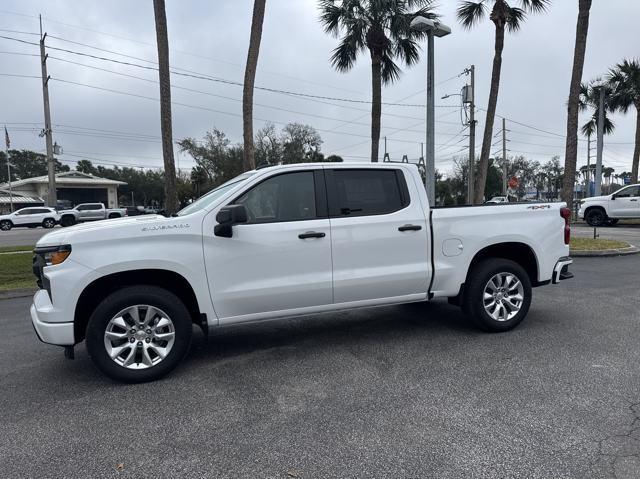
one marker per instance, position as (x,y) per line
(571,147)
(249,162)
(268,147)
(26,164)
(216,158)
(624,80)
(504,17)
(300,143)
(162,38)
(383,28)
(334,159)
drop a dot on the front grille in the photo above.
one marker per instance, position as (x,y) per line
(38,264)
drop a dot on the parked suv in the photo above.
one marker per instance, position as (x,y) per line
(608,210)
(30,217)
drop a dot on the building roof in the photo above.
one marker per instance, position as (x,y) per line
(69,178)
(6,198)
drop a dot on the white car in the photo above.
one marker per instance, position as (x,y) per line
(609,209)
(30,217)
(284,241)
(498,200)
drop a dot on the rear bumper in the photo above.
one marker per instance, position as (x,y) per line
(57,333)
(561,270)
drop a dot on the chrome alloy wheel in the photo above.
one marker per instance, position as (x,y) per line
(139,336)
(503,296)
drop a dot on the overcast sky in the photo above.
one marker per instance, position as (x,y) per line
(211,38)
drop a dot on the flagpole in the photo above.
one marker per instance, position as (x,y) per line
(7,144)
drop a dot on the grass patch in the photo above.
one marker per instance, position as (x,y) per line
(4,249)
(16,272)
(590,244)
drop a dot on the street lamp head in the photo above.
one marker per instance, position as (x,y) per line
(424,24)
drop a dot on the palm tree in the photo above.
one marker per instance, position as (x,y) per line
(571,146)
(383,28)
(249,162)
(504,17)
(624,79)
(170,192)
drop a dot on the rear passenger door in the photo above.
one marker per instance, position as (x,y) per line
(379,236)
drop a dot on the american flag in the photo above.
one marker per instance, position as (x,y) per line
(6,138)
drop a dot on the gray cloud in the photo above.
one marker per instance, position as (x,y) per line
(212,38)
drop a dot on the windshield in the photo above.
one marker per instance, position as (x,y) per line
(214,194)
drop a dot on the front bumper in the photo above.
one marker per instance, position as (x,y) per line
(57,333)
(561,270)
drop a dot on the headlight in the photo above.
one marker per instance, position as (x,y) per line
(53,255)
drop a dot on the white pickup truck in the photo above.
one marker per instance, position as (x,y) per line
(609,209)
(287,241)
(89,212)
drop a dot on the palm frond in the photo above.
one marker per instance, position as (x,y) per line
(330,16)
(589,128)
(535,6)
(406,49)
(515,19)
(471,13)
(390,71)
(345,54)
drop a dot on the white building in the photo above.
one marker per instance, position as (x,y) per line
(71,186)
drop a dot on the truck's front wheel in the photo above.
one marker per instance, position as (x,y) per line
(67,221)
(138,334)
(596,217)
(497,295)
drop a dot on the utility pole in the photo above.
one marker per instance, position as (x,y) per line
(8,145)
(472,135)
(588,172)
(429,180)
(504,156)
(52,197)
(598,179)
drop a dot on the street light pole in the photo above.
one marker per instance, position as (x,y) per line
(430,176)
(598,178)
(432,29)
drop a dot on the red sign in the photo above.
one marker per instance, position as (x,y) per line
(513,182)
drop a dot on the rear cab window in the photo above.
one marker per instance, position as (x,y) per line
(366,192)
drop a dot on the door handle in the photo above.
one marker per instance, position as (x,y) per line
(410,228)
(311,234)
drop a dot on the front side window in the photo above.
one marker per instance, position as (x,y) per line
(25,211)
(629,192)
(365,192)
(286,197)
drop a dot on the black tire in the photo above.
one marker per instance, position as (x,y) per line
(67,221)
(130,296)
(612,221)
(478,280)
(48,223)
(6,225)
(595,217)
(114,215)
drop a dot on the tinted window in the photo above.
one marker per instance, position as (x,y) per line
(41,210)
(26,211)
(287,197)
(627,192)
(367,192)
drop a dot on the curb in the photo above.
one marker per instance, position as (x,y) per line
(17,293)
(604,252)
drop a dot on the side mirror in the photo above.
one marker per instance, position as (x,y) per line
(227,217)
(613,197)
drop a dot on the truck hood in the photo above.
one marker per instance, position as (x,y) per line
(596,198)
(118,227)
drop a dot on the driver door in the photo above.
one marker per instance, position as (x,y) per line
(279,262)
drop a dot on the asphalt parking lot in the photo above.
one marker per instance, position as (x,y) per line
(23,236)
(396,392)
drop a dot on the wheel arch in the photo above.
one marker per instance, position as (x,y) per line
(100,288)
(520,253)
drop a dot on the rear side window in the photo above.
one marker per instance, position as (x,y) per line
(286,197)
(365,192)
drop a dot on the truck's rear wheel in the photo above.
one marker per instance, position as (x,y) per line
(138,334)
(595,217)
(67,221)
(497,295)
